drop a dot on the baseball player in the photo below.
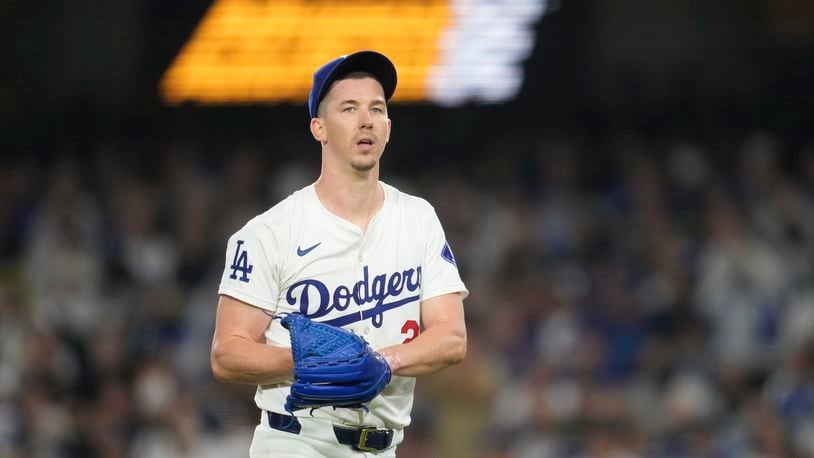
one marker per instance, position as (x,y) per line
(351,252)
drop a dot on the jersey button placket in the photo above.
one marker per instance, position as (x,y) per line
(359,276)
(366,327)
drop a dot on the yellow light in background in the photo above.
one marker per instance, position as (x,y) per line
(247,51)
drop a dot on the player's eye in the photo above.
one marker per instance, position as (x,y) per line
(377,110)
(349,109)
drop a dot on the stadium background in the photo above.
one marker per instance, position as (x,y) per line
(636,227)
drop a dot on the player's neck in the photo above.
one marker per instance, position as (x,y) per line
(356,199)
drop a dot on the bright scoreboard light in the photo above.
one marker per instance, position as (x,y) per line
(447,52)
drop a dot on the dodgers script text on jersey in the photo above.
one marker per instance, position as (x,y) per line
(362,293)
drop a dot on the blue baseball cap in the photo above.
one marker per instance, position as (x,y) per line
(372,62)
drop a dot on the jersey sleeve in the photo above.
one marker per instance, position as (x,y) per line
(440,271)
(250,273)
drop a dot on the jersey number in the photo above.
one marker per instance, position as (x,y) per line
(410,327)
(241,264)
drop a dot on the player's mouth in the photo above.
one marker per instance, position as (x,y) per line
(365,144)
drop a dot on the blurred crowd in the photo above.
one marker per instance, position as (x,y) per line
(630,297)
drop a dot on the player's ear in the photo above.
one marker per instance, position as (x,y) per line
(389,126)
(318,130)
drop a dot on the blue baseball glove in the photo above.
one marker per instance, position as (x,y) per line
(332,367)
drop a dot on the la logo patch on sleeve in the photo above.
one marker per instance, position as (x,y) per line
(241,264)
(446,254)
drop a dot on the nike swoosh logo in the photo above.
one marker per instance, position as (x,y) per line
(301,252)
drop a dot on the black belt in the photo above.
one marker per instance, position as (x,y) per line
(285,423)
(366,439)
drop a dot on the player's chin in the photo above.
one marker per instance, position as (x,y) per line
(364,164)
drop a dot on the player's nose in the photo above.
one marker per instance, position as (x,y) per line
(365,118)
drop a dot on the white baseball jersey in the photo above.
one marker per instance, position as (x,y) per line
(299,257)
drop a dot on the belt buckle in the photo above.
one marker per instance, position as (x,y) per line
(361,444)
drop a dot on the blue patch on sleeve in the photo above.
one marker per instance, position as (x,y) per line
(446,253)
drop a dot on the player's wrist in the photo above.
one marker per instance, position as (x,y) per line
(392,360)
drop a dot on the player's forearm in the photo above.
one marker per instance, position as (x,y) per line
(436,348)
(243,361)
